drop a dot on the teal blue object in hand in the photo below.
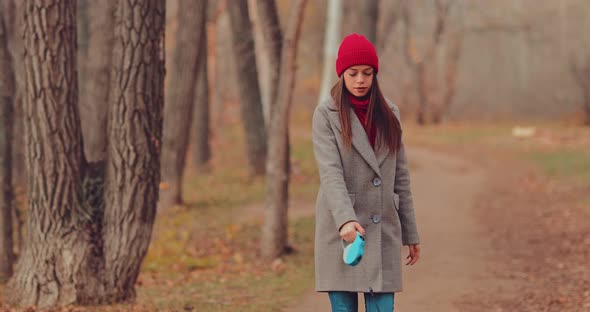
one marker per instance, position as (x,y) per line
(353,252)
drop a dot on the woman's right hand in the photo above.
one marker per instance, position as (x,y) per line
(349,229)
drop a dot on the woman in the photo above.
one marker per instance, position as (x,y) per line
(364,185)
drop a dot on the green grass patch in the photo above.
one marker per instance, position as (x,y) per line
(456,134)
(562,163)
(462,136)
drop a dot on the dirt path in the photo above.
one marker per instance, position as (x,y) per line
(457,259)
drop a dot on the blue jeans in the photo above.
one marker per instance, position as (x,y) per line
(343,301)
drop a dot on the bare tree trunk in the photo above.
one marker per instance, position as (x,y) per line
(250,100)
(331,41)
(95,96)
(180,100)
(273,38)
(223,65)
(361,17)
(421,62)
(416,63)
(388,16)
(451,72)
(261,53)
(581,75)
(60,262)
(201,125)
(274,233)
(369,22)
(349,18)
(135,133)
(7,92)
(273,42)
(421,90)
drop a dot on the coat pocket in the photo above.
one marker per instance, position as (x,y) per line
(396,201)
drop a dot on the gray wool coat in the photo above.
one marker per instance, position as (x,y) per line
(370,187)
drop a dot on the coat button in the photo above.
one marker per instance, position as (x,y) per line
(376,182)
(376,219)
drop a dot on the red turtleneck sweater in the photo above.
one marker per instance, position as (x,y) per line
(361,107)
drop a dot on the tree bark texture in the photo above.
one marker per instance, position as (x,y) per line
(94,99)
(7,92)
(249,89)
(180,98)
(201,125)
(59,261)
(133,150)
(275,229)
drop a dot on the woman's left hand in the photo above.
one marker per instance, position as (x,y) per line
(413,254)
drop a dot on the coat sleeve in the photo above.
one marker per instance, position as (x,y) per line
(402,188)
(330,170)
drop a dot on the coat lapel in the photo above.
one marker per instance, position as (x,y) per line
(360,141)
(382,153)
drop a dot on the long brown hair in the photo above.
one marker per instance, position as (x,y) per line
(379,115)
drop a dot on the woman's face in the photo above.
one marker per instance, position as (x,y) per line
(358,79)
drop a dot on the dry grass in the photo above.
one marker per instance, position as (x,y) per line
(204,255)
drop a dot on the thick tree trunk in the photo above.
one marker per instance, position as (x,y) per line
(331,41)
(7,92)
(60,261)
(274,233)
(201,132)
(135,133)
(180,98)
(250,100)
(95,96)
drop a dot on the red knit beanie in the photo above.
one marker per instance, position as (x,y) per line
(354,50)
